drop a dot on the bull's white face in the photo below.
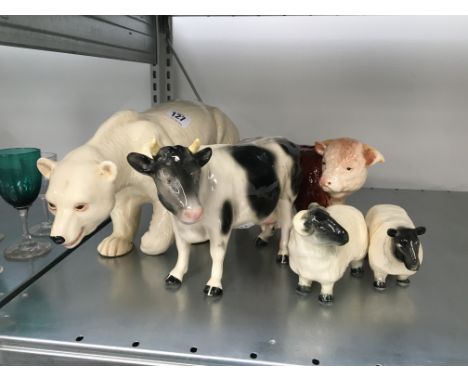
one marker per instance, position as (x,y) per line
(344,165)
(342,171)
(80,195)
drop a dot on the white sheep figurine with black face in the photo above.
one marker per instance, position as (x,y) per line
(323,243)
(394,246)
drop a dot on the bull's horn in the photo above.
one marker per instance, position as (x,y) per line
(154,147)
(195,146)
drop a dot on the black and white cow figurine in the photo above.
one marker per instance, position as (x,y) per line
(212,190)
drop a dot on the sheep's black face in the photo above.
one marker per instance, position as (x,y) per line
(405,243)
(320,223)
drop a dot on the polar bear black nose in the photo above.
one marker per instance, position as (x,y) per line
(58,239)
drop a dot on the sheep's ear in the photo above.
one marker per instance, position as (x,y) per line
(108,170)
(45,166)
(372,156)
(392,232)
(420,230)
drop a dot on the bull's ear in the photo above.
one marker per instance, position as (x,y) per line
(108,170)
(45,166)
(203,156)
(420,230)
(141,163)
(372,156)
(320,147)
(392,232)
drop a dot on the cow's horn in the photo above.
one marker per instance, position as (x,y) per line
(154,147)
(195,146)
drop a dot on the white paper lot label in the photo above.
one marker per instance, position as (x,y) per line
(180,118)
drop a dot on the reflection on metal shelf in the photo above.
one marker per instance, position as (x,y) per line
(15,275)
(94,310)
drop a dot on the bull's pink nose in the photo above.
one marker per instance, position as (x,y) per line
(192,214)
(324,182)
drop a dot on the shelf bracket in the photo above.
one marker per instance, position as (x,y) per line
(161,70)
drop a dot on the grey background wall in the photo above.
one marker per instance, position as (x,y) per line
(398,83)
(56,101)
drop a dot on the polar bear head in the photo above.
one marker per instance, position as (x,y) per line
(81,195)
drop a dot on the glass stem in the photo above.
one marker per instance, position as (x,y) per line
(45,209)
(23,212)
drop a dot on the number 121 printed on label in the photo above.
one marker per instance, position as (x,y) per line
(180,118)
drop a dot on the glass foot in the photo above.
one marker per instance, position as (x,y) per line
(27,249)
(41,229)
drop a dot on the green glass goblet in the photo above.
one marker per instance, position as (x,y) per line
(20,182)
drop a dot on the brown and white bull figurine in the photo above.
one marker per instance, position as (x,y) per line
(210,191)
(344,166)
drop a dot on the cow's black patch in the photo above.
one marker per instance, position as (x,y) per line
(292,150)
(226,217)
(166,204)
(263,187)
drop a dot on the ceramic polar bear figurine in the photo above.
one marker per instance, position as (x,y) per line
(323,242)
(95,181)
(394,246)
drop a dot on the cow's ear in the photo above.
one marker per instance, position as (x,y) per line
(320,147)
(203,156)
(372,156)
(45,166)
(141,163)
(392,232)
(420,230)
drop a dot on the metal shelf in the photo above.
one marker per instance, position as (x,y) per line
(120,37)
(15,275)
(123,314)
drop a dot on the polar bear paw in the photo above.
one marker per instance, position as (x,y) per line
(113,246)
(153,244)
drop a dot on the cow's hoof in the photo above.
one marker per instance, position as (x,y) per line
(403,283)
(380,285)
(282,259)
(326,299)
(212,291)
(357,272)
(173,282)
(303,290)
(260,243)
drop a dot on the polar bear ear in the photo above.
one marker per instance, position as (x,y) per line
(45,166)
(108,170)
